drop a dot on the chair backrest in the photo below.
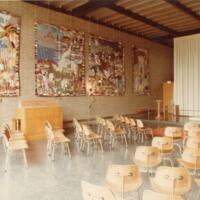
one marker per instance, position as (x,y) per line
(110,125)
(163,143)
(147,156)
(194,133)
(6,130)
(132,122)
(123,178)
(174,132)
(49,132)
(48,124)
(151,195)
(139,123)
(191,156)
(122,118)
(103,122)
(86,129)
(5,140)
(172,180)
(116,117)
(193,143)
(127,120)
(94,192)
(189,125)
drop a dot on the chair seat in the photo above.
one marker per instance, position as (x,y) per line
(153,163)
(17,137)
(197,181)
(151,195)
(58,129)
(158,188)
(93,136)
(17,145)
(129,186)
(188,165)
(118,131)
(61,139)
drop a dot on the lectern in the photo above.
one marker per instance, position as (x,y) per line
(32,115)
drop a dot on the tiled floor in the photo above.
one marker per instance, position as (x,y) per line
(61,179)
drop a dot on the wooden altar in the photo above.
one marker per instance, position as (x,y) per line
(33,114)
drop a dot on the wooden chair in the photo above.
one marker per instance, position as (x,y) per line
(143,131)
(147,157)
(12,146)
(171,180)
(94,192)
(54,139)
(190,159)
(166,147)
(192,133)
(193,143)
(90,137)
(189,125)
(123,179)
(78,133)
(151,195)
(12,134)
(176,133)
(116,133)
(197,181)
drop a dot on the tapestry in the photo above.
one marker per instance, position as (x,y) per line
(9,55)
(106,70)
(141,71)
(60,67)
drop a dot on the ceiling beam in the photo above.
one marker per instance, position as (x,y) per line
(92,5)
(62,10)
(143,19)
(182,33)
(184,8)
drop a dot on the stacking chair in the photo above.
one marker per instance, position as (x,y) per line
(147,157)
(192,133)
(78,133)
(104,128)
(189,125)
(143,131)
(190,159)
(123,179)
(193,143)
(116,133)
(166,147)
(151,195)
(54,139)
(91,137)
(171,181)
(94,192)
(176,133)
(12,146)
(197,181)
(12,134)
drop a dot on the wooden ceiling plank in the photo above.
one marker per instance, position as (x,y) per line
(61,10)
(91,6)
(141,18)
(183,8)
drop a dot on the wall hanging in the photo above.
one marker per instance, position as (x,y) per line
(141,72)
(9,55)
(60,65)
(106,70)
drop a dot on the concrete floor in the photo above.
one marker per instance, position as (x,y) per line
(61,179)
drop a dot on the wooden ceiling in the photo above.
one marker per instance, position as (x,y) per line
(156,20)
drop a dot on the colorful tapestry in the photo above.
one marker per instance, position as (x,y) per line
(60,67)
(141,72)
(9,55)
(106,69)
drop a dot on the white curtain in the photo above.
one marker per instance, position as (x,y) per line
(187,74)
